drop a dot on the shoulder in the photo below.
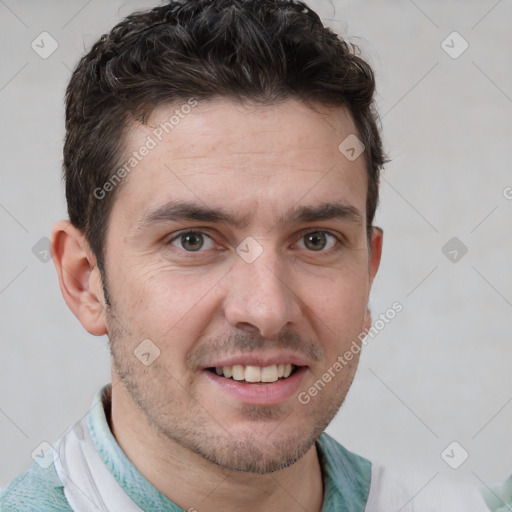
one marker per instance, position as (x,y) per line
(36,490)
(415,491)
(382,488)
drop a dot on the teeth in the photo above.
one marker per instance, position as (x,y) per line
(256,373)
(253,374)
(238,372)
(269,374)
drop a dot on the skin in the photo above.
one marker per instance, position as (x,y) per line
(197,444)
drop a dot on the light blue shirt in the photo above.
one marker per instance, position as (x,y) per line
(346,475)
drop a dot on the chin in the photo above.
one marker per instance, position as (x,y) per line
(258,449)
(251,457)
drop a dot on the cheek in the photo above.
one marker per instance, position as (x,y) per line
(146,287)
(338,308)
(162,303)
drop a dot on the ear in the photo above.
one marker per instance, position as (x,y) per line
(376,241)
(79,277)
(375,249)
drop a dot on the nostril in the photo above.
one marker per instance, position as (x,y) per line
(246,327)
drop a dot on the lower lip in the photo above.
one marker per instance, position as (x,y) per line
(260,394)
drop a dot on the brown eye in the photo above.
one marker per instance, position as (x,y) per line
(318,241)
(192,241)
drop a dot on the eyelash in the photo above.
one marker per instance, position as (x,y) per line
(338,239)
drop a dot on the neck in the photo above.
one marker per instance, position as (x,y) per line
(194,483)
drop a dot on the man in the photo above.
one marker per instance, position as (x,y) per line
(222,163)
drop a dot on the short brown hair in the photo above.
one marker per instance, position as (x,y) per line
(259,50)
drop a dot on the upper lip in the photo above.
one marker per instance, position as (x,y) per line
(259,360)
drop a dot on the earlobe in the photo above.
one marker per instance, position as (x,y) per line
(79,277)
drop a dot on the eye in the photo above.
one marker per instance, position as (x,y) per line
(319,241)
(192,241)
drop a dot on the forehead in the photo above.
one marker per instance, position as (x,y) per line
(253,158)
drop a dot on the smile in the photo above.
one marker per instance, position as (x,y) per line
(258,385)
(255,374)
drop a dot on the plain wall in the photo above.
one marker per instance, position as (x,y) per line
(440,370)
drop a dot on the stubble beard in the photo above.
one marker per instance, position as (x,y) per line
(190,424)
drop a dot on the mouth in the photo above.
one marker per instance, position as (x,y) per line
(257,385)
(249,374)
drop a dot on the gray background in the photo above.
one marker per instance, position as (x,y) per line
(440,371)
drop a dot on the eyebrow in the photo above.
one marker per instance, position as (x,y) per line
(322,211)
(183,211)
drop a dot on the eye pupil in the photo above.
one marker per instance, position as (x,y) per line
(192,241)
(315,241)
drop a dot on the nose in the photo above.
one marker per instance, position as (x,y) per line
(261,296)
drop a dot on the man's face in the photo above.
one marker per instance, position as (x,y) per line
(280,277)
